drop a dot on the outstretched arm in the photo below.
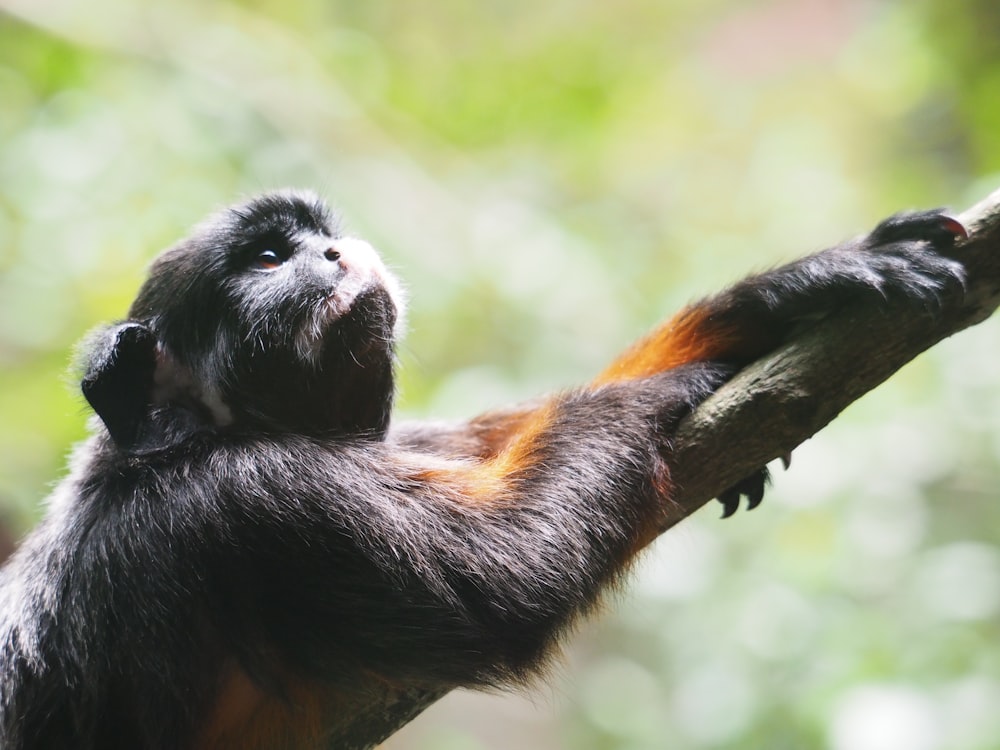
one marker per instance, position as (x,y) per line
(900,258)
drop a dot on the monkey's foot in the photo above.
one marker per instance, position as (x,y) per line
(752,487)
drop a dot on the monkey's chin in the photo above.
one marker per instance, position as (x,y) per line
(347,322)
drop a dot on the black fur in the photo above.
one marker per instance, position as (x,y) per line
(244,506)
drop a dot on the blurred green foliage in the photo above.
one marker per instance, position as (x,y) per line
(551,178)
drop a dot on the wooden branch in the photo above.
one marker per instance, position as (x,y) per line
(783,400)
(763,413)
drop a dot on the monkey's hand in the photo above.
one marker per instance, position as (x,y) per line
(902,258)
(913,247)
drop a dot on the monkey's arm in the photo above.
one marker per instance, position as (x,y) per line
(899,258)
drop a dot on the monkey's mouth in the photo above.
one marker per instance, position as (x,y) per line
(338,304)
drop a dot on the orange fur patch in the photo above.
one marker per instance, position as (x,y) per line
(687,337)
(496,430)
(486,481)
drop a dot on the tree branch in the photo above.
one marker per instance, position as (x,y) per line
(781,401)
(763,413)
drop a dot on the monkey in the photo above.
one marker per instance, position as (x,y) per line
(247,532)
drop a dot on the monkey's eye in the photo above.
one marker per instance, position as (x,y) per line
(268,259)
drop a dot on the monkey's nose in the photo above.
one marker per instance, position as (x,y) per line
(331,254)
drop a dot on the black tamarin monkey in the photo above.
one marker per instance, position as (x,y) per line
(244,534)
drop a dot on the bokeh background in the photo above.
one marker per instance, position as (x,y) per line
(550,178)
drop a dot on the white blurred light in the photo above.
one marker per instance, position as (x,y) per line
(680,565)
(960,581)
(820,470)
(889,526)
(969,706)
(883,717)
(777,622)
(714,704)
(624,699)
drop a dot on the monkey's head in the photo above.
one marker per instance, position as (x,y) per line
(267,318)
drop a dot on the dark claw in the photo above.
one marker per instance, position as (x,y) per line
(955,227)
(730,500)
(751,486)
(786,460)
(755,493)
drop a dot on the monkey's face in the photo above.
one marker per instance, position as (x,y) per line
(267,317)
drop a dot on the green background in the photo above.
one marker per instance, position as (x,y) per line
(550,179)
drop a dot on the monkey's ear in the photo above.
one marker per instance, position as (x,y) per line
(119,363)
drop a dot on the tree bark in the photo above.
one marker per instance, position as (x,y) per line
(764,413)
